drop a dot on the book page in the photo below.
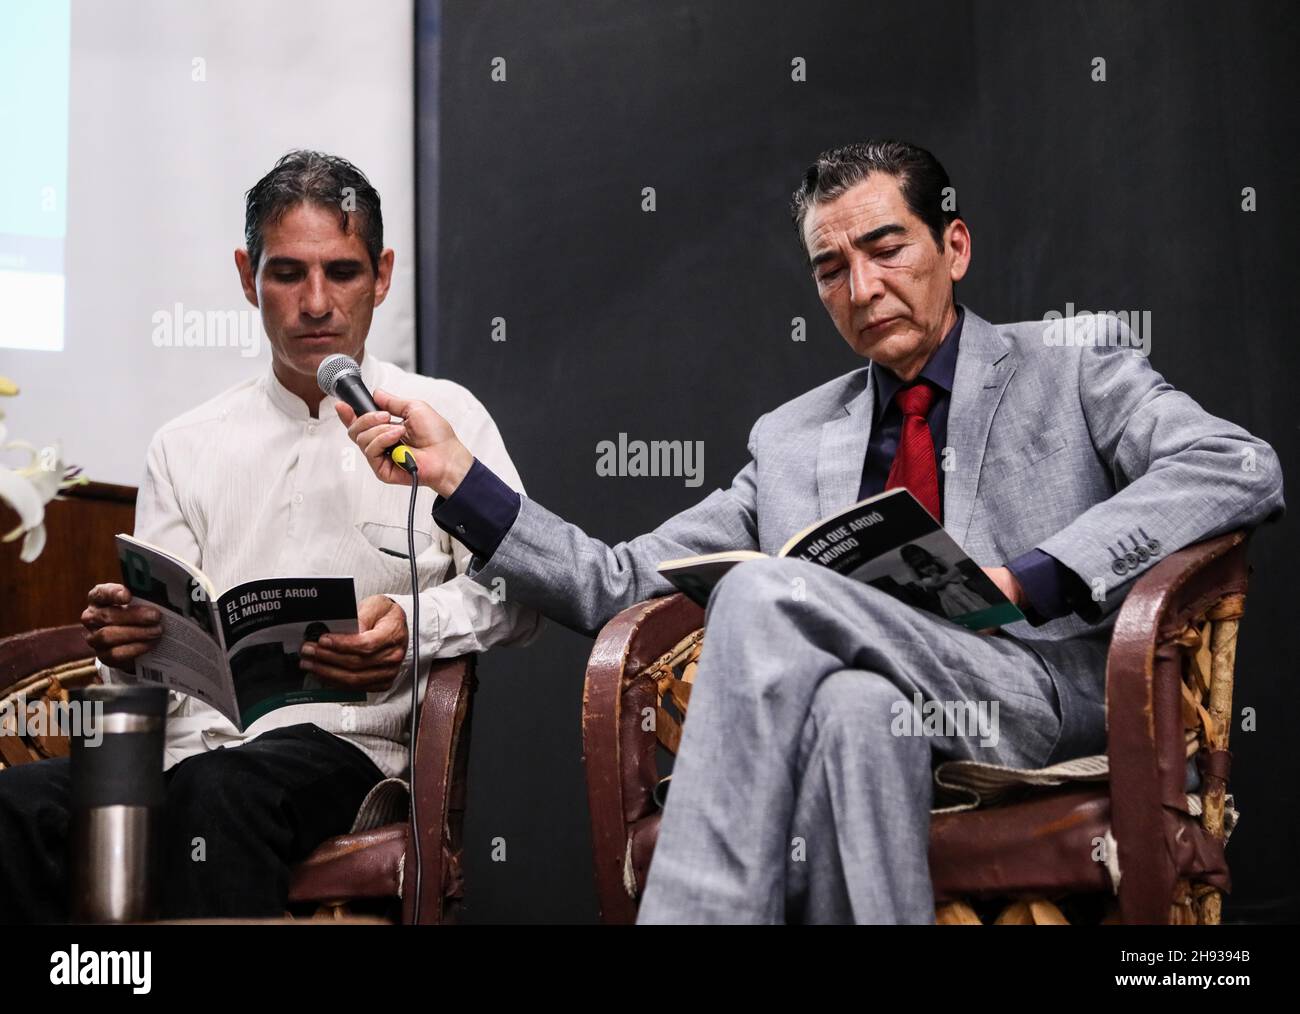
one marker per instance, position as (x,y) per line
(264,625)
(893,543)
(696,575)
(189,657)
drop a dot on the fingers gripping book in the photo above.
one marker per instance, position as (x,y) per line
(237,651)
(888,541)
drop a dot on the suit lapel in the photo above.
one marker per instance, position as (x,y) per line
(843,449)
(984,368)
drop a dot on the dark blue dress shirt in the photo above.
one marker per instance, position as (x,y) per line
(887,426)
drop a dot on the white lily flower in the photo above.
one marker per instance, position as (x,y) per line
(29,488)
(17,492)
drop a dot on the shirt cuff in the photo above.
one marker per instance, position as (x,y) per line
(1044,580)
(430,645)
(480,512)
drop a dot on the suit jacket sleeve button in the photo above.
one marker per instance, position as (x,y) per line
(1119,567)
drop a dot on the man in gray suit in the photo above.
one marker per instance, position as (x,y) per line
(1050,450)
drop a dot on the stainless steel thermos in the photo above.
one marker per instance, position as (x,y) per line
(117,802)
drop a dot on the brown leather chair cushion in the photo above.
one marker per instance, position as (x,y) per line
(364,865)
(1041,845)
(1047,844)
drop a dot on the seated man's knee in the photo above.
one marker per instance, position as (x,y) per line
(209,785)
(756,585)
(856,704)
(35,787)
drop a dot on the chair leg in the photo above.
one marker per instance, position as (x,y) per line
(1184,911)
(1025,912)
(956,913)
(1031,912)
(1223,657)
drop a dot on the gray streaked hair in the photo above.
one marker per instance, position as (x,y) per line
(921,180)
(304,176)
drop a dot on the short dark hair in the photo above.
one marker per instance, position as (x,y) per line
(922,181)
(325,180)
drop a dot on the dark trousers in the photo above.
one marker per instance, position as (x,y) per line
(258,808)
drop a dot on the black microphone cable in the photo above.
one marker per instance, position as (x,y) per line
(407,461)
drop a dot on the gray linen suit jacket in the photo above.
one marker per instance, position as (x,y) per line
(1075,449)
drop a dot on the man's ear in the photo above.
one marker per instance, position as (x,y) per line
(959,247)
(246,280)
(384,277)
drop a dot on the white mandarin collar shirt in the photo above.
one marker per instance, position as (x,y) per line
(295,408)
(249,485)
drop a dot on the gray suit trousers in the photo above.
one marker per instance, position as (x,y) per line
(803,785)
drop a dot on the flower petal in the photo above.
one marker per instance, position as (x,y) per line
(23,497)
(33,544)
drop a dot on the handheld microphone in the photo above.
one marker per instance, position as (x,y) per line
(340,376)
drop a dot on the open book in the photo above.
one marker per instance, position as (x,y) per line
(237,651)
(888,541)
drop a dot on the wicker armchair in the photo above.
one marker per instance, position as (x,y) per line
(361,870)
(1123,837)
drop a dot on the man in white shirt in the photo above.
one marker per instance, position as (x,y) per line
(262,481)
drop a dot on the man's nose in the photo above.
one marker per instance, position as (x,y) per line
(865,282)
(315,299)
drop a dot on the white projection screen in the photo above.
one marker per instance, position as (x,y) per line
(129,132)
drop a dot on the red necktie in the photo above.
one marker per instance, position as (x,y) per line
(913,465)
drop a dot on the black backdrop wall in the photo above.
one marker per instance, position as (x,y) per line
(676,323)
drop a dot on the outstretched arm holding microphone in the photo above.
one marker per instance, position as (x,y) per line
(546,562)
(442,459)
(444,464)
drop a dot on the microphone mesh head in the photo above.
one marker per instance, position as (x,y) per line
(333,367)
